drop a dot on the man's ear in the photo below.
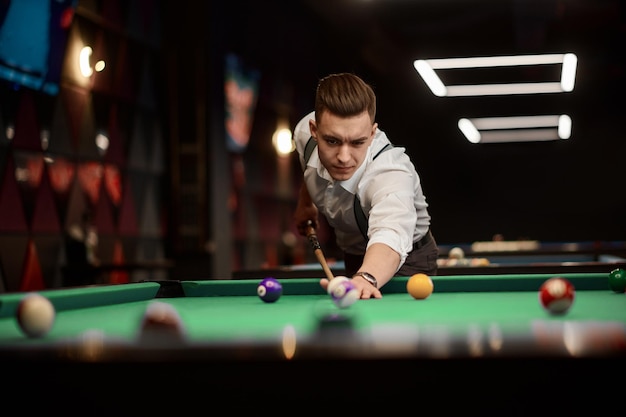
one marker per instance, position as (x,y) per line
(313,129)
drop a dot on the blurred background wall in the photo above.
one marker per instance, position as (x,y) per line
(165,158)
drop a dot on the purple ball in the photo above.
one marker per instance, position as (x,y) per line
(269,290)
(344,294)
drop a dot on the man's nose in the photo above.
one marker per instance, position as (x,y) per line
(344,153)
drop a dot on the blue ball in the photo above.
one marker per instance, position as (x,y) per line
(344,294)
(269,290)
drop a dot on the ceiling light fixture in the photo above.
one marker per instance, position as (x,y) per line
(516,129)
(426,69)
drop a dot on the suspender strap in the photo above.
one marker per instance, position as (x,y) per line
(361,219)
(387,146)
(308,149)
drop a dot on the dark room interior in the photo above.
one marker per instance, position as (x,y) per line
(149,260)
(166,188)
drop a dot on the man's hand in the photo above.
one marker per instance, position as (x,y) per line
(305,211)
(303,225)
(364,288)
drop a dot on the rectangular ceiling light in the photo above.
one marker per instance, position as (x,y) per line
(426,68)
(516,129)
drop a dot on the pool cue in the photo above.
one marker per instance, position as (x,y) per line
(315,244)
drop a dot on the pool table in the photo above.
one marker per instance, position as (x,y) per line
(483,340)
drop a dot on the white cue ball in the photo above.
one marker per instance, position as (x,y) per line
(456,253)
(334,282)
(35,315)
(345,294)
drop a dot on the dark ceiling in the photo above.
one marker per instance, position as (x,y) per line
(381,38)
(389,33)
(386,36)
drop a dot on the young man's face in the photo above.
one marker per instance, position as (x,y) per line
(342,142)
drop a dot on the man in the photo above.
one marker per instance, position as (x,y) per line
(351,172)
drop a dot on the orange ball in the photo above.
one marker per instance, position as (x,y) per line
(420,286)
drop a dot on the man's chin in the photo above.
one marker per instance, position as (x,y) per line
(341,177)
(341,174)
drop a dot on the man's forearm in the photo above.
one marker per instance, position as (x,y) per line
(382,262)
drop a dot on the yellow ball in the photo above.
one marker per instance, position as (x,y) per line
(420,286)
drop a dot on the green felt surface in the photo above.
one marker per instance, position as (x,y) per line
(216,310)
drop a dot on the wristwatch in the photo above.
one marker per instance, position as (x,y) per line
(368,277)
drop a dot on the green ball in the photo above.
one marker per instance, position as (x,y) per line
(617,280)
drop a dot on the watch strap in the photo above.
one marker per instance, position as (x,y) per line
(368,277)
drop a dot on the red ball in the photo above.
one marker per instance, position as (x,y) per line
(161,323)
(556,295)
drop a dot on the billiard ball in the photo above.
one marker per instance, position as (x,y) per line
(456,253)
(161,323)
(617,280)
(35,315)
(335,282)
(556,295)
(269,289)
(479,262)
(344,294)
(420,286)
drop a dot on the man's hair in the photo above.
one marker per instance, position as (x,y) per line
(344,95)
